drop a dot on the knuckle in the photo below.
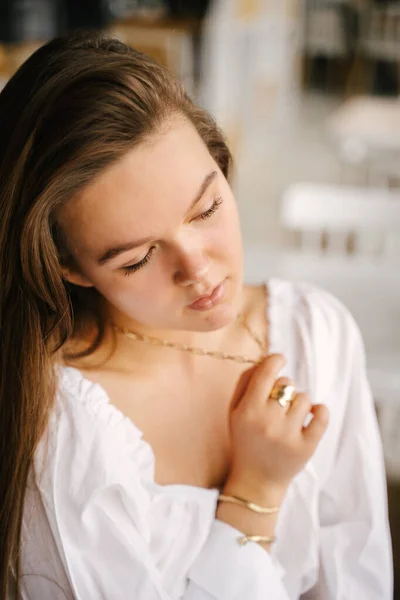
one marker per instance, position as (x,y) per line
(278,431)
(303,398)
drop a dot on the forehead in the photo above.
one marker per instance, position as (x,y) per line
(141,194)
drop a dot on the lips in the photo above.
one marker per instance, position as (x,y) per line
(208,301)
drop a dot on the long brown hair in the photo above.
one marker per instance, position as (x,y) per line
(75,106)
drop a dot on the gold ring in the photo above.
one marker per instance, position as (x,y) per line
(283,394)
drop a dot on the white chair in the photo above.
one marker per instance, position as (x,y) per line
(343,218)
(366,133)
(337,225)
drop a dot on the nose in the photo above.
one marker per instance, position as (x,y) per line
(193,269)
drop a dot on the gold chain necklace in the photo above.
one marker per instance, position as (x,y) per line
(199,351)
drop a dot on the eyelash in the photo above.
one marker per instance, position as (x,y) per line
(215,206)
(139,265)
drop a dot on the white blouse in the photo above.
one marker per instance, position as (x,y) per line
(97,526)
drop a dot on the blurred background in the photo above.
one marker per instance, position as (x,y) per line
(308,94)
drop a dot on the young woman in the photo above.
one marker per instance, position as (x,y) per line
(153,445)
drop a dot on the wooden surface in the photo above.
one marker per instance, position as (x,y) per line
(12,56)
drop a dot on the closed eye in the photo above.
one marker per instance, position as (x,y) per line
(132,268)
(216,204)
(203,216)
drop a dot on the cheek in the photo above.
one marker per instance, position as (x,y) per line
(137,294)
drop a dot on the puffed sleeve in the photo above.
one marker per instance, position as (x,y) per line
(355,546)
(115,532)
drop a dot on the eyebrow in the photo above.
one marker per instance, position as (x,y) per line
(112,253)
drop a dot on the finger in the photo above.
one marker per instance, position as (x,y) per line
(279,383)
(317,427)
(262,380)
(299,408)
(242,385)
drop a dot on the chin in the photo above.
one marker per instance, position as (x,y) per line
(217,318)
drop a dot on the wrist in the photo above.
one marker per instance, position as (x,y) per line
(267,495)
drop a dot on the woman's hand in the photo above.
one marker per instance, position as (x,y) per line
(270,443)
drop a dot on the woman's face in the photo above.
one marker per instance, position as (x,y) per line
(157,231)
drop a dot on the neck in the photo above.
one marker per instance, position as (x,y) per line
(191,331)
(118,352)
(170,347)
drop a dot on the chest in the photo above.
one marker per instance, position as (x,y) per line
(185,421)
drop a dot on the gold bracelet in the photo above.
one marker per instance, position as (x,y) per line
(259,539)
(254,507)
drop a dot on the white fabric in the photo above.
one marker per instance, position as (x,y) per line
(98,526)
